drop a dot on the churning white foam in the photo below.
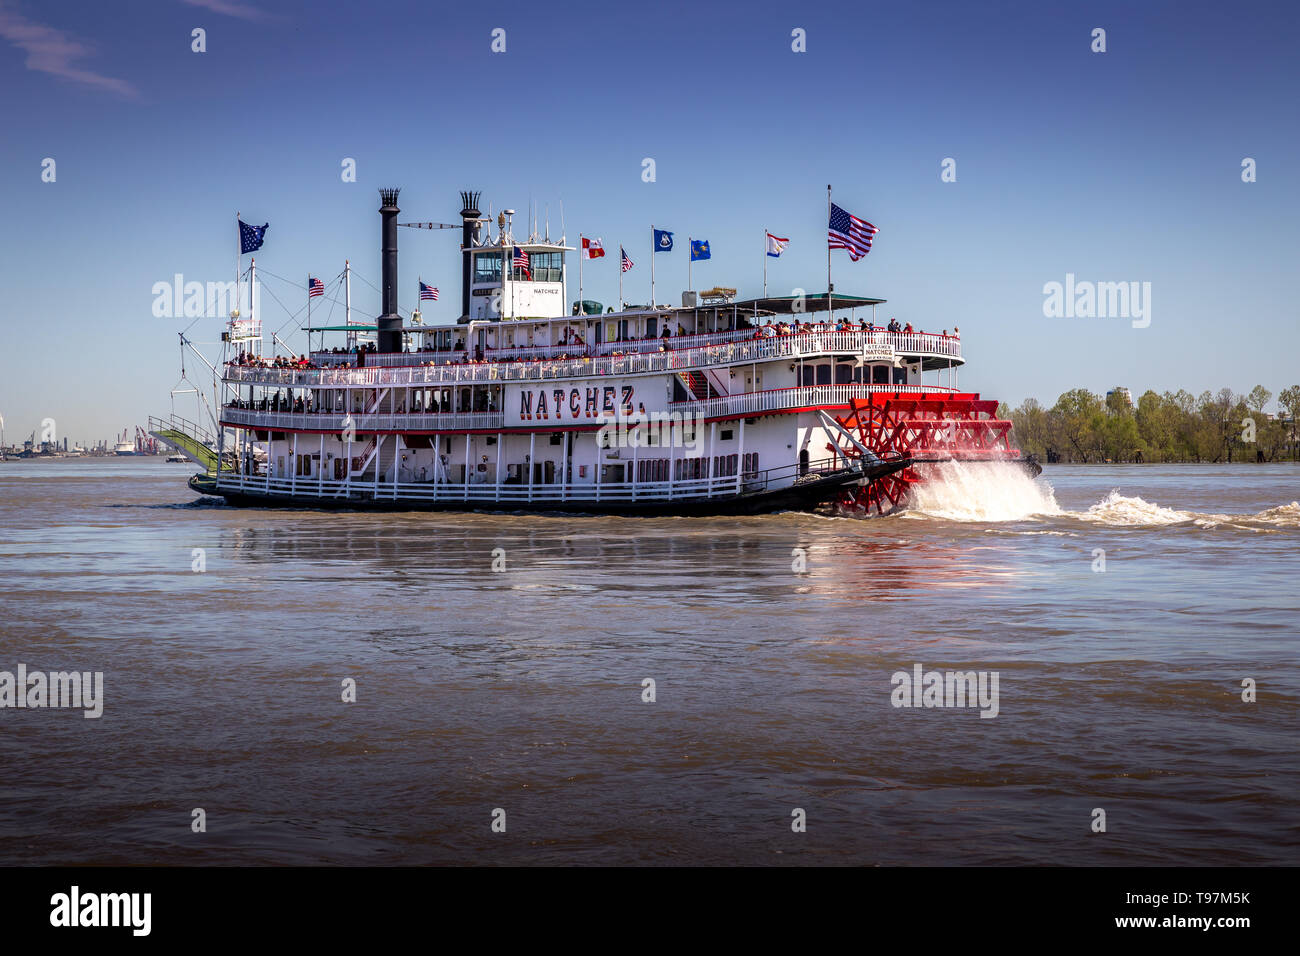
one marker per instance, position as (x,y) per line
(1119,511)
(980,491)
(1284,516)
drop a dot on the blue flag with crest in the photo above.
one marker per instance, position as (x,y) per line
(663,240)
(699,249)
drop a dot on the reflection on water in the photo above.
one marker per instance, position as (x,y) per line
(523,688)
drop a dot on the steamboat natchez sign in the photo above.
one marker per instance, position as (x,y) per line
(584,403)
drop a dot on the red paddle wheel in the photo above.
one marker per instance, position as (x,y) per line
(928,427)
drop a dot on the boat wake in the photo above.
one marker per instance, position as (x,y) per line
(1118,511)
(999,492)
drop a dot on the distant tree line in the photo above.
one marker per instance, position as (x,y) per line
(1176,426)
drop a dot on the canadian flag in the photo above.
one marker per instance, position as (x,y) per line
(592,249)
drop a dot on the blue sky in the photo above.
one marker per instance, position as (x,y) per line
(1115,166)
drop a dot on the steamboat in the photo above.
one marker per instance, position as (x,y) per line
(719,405)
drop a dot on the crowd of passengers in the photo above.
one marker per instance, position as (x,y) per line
(572,337)
(280,402)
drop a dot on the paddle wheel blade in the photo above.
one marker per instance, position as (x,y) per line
(927,427)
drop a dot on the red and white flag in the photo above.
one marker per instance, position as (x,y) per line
(592,249)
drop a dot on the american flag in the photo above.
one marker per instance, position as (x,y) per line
(850,233)
(521,261)
(428,292)
(314,287)
(627,263)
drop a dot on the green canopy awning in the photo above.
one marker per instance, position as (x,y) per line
(814,302)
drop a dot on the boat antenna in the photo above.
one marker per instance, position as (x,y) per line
(561,222)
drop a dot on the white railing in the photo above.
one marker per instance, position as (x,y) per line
(537,352)
(778,399)
(307,487)
(363,423)
(745,350)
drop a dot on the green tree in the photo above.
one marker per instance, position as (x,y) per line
(1258,398)
(1289,400)
(1075,418)
(1157,422)
(1030,430)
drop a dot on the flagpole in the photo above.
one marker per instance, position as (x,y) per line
(652,265)
(690,257)
(582,254)
(322,341)
(830,286)
(252,279)
(620,277)
(765,262)
(239,268)
(347,302)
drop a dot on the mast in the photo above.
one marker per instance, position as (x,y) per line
(252,283)
(507,270)
(347,302)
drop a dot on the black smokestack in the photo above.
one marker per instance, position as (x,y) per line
(468,239)
(390,323)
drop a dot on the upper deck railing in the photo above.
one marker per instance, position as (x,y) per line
(531,353)
(649,358)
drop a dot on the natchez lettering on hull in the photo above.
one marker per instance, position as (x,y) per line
(573,404)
